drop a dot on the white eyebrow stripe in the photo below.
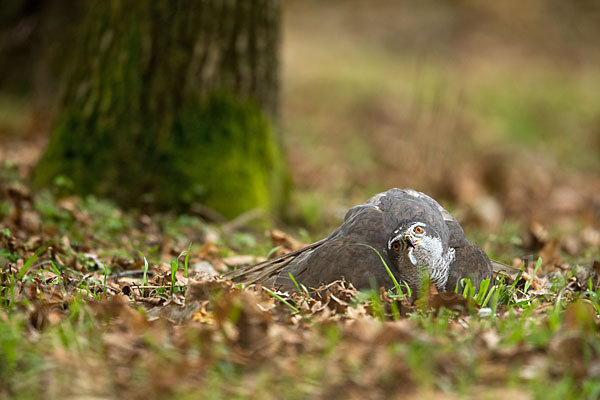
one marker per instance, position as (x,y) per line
(410,228)
(421,224)
(392,240)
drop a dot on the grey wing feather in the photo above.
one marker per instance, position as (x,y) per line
(261,271)
(471,262)
(348,253)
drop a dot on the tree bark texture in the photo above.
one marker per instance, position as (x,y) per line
(171,102)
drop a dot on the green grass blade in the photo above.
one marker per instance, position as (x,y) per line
(397,286)
(395,311)
(278,297)
(305,292)
(489,296)
(29,262)
(466,283)
(174,266)
(538,264)
(105,274)
(57,272)
(483,288)
(145,276)
(186,259)
(494,302)
(273,250)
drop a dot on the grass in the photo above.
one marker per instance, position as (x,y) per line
(174,266)
(300,287)
(365,343)
(186,260)
(281,299)
(434,341)
(67,323)
(403,291)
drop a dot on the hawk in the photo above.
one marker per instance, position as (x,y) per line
(408,230)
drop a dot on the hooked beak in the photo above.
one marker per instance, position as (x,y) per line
(409,240)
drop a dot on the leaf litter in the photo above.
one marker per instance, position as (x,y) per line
(76,306)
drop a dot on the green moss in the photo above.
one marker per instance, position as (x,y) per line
(224,155)
(220,152)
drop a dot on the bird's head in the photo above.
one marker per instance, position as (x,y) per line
(415,244)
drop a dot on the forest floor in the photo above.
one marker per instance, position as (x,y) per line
(96,301)
(102,303)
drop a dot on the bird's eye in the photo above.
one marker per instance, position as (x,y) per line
(418,229)
(396,245)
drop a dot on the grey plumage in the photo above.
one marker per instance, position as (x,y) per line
(410,231)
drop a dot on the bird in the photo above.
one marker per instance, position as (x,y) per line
(401,230)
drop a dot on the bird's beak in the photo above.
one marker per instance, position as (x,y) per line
(409,240)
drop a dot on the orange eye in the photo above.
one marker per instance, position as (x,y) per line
(396,245)
(418,229)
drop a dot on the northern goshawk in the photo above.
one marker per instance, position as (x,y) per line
(411,232)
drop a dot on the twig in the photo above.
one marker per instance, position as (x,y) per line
(242,220)
(130,273)
(207,213)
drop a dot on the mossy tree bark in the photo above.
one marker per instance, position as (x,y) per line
(171,102)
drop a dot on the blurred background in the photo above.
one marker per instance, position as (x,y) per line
(493,108)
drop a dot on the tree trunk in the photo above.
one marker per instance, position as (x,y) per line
(171,102)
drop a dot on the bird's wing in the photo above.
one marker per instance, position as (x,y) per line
(470,262)
(339,258)
(342,254)
(354,252)
(266,269)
